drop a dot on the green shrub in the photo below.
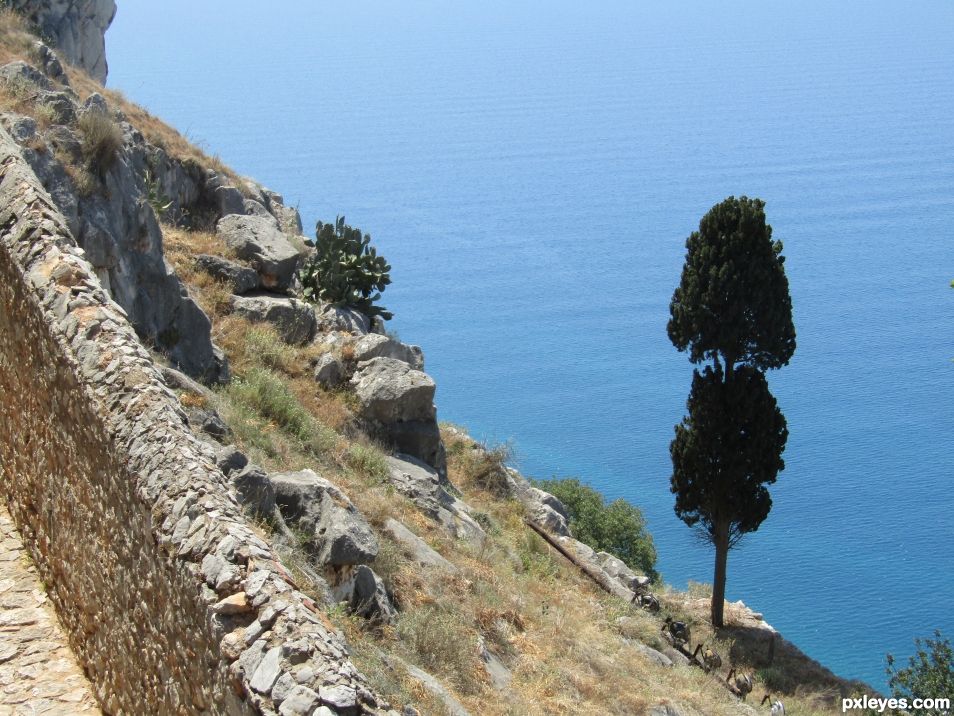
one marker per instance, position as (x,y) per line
(265,393)
(617,528)
(265,347)
(929,673)
(101,139)
(368,462)
(345,270)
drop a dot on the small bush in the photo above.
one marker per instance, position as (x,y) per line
(484,468)
(617,528)
(101,140)
(345,270)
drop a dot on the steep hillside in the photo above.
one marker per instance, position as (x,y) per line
(456,584)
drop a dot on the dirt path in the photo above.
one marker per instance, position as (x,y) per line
(38,672)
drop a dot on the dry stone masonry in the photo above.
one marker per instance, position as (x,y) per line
(170,600)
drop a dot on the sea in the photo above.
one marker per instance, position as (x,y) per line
(531,170)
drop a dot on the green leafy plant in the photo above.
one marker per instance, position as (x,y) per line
(929,673)
(617,527)
(345,270)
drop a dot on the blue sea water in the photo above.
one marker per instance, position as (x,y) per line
(532,169)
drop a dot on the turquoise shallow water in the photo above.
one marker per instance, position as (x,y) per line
(532,169)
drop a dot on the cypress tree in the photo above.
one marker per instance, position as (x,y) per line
(731,310)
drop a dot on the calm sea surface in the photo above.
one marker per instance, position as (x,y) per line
(532,169)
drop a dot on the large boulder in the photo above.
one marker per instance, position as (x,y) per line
(396,405)
(329,371)
(375,345)
(339,318)
(335,530)
(258,240)
(390,391)
(369,597)
(542,508)
(293,320)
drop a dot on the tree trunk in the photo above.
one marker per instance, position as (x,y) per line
(721,542)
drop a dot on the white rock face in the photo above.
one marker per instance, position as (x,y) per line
(76,27)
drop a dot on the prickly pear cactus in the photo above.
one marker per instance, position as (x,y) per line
(345,270)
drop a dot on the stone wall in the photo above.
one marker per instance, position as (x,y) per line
(171,601)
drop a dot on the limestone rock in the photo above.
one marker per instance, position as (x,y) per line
(543,509)
(369,598)
(230,459)
(301,701)
(294,320)
(208,421)
(423,485)
(396,403)
(390,391)
(258,241)
(336,530)
(288,218)
(20,75)
(498,673)
(654,656)
(116,227)
(241,279)
(77,28)
(618,570)
(329,371)
(374,345)
(337,318)
(435,687)
(180,381)
(343,699)
(255,490)
(416,548)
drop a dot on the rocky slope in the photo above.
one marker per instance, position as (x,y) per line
(459,585)
(76,28)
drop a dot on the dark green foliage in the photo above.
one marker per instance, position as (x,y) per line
(726,450)
(617,528)
(929,673)
(732,303)
(345,270)
(732,307)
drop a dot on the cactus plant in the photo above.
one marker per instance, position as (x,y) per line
(345,270)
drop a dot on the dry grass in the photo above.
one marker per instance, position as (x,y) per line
(101,140)
(16,41)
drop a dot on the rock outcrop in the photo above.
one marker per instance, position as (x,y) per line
(430,493)
(293,320)
(259,241)
(77,28)
(396,403)
(332,528)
